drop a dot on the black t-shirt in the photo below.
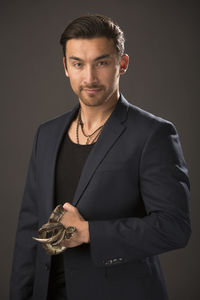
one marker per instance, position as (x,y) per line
(70,161)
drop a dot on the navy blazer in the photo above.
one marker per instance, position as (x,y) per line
(133,190)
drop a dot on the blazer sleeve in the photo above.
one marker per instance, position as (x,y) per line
(22,275)
(164,189)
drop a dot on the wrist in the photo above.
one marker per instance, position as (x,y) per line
(85,232)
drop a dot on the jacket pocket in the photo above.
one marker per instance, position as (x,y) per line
(139,268)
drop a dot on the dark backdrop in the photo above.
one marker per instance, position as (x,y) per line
(163,44)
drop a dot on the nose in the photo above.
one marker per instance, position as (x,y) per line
(90,75)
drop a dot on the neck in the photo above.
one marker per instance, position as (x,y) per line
(95,116)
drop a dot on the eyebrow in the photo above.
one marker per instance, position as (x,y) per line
(103,56)
(96,59)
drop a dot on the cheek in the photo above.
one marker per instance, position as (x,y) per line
(111,77)
(74,82)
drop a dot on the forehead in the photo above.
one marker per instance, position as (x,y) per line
(90,48)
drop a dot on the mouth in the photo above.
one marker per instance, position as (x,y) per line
(92,91)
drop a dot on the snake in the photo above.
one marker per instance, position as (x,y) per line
(52,233)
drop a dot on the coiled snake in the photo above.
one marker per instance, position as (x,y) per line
(53,232)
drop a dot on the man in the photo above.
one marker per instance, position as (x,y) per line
(118,171)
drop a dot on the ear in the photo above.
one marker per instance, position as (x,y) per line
(65,66)
(124,63)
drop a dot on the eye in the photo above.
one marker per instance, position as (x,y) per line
(77,65)
(102,63)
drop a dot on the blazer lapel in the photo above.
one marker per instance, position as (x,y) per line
(113,129)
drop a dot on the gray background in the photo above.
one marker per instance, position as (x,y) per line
(163,78)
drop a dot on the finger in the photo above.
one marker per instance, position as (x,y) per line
(64,243)
(69,244)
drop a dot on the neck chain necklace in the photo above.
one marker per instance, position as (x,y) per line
(89,136)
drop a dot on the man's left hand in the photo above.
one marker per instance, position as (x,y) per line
(72,217)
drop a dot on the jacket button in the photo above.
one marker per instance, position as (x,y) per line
(47,267)
(108,262)
(117,260)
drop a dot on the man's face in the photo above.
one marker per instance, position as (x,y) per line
(93,68)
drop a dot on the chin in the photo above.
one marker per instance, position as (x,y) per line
(92,100)
(92,103)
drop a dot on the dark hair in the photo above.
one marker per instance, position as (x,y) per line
(92,26)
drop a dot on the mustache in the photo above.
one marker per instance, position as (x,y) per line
(90,87)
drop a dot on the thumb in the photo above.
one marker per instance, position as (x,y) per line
(68,206)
